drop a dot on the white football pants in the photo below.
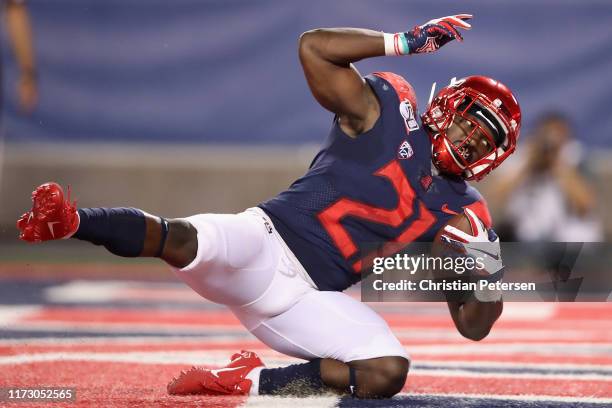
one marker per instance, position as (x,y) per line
(242,262)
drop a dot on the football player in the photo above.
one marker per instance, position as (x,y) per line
(384,174)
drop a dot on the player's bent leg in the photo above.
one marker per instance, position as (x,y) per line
(227,258)
(242,262)
(351,349)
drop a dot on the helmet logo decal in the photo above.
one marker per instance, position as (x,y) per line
(407,113)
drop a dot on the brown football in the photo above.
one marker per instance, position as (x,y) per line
(439,248)
(458,221)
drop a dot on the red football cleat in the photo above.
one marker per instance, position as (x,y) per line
(51,217)
(229,380)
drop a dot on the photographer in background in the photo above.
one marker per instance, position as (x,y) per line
(548,199)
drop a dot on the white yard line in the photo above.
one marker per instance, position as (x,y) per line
(131,327)
(603,334)
(13,314)
(332,401)
(120,340)
(509,348)
(543,398)
(87,291)
(262,401)
(504,364)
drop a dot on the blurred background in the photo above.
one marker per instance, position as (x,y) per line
(188,106)
(180,107)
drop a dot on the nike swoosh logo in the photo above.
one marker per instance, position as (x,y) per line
(494,256)
(447,210)
(215,373)
(50,225)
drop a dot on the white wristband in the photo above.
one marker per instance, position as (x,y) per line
(396,44)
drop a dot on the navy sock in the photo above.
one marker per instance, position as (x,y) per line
(162,241)
(297,379)
(121,230)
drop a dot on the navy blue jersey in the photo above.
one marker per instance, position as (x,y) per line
(375,189)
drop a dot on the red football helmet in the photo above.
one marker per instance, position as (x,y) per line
(490,108)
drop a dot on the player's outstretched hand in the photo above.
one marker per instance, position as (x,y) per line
(432,35)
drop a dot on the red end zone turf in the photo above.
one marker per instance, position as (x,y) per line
(119,343)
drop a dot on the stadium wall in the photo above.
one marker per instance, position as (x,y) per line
(180,180)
